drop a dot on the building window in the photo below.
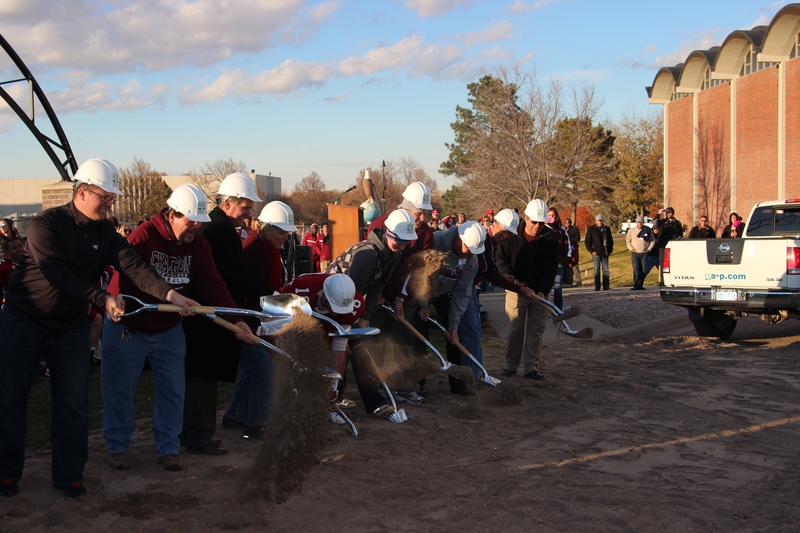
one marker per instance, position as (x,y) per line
(708,82)
(795,48)
(747,66)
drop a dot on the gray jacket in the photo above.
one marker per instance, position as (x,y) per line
(369,264)
(456,277)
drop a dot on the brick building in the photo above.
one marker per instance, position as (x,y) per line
(732,122)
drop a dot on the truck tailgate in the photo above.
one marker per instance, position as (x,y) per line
(735,263)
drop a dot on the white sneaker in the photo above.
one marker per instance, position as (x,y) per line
(334,417)
(408,396)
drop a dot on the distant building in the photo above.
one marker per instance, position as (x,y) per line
(732,122)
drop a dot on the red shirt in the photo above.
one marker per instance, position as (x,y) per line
(7,266)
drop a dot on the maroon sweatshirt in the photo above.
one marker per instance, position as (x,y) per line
(186,267)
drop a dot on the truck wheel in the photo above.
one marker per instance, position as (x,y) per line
(715,324)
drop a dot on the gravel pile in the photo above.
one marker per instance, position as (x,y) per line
(623,308)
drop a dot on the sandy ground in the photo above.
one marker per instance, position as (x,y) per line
(653,434)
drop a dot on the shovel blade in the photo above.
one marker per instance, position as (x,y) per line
(353,333)
(284,305)
(398,417)
(585,333)
(489,380)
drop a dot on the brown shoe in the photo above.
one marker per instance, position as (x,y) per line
(171,462)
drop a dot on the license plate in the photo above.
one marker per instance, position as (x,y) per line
(727,296)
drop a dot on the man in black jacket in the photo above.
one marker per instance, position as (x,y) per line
(45,314)
(212,355)
(600,243)
(532,259)
(669,228)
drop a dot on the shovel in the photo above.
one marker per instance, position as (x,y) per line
(198,309)
(485,377)
(283,305)
(560,316)
(227,325)
(446,365)
(399,416)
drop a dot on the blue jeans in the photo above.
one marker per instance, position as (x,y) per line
(253,394)
(652,262)
(639,262)
(21,349)
(470,333)
(123,362)
(558,284)
(598,262)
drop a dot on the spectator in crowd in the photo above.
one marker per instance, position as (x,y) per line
(435,216)
(45,314)
(669,228)
(462,217)
(244,229)
(448,222)
(310,240)
(435,225)
(600,243)
(531,259)
(733,218)
(572,274)
(185,263)
(323,248)
(125,230)
(213,355)
(564,253)
(7,265)
(736,230)
(640,241)
(370,264)
(7,232)
(702,230)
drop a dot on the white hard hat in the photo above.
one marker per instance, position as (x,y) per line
(99,172)
(278,214)
(240,186)
(509,219)
(190,200)
(340,292)
(418,194)
(473,235)
(400,224)
(536,210)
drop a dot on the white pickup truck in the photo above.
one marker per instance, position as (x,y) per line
(721,280)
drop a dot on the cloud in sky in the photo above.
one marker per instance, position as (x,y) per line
(522,7)
(499,32)
(435,8)
(701,40)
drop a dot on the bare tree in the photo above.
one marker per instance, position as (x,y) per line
(144,192)
(713,173)
(522,139)
(309,199)
(211,175)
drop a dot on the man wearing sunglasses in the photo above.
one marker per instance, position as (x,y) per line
(45,314)
(532,259)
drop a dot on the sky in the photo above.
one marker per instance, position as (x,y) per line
(291,86)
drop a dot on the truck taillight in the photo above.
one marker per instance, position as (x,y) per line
(793,260)
(665,262)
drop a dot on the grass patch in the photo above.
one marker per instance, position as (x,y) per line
(619,266)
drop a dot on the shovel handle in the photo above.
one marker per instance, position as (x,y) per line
(227,325)
(171,308)
(411,328)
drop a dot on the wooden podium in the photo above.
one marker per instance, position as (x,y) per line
(344,227)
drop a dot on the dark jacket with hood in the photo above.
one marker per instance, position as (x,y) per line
(187,267)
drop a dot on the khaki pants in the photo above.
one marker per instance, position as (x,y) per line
(528,321)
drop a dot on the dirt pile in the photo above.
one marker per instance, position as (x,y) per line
(298,420)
